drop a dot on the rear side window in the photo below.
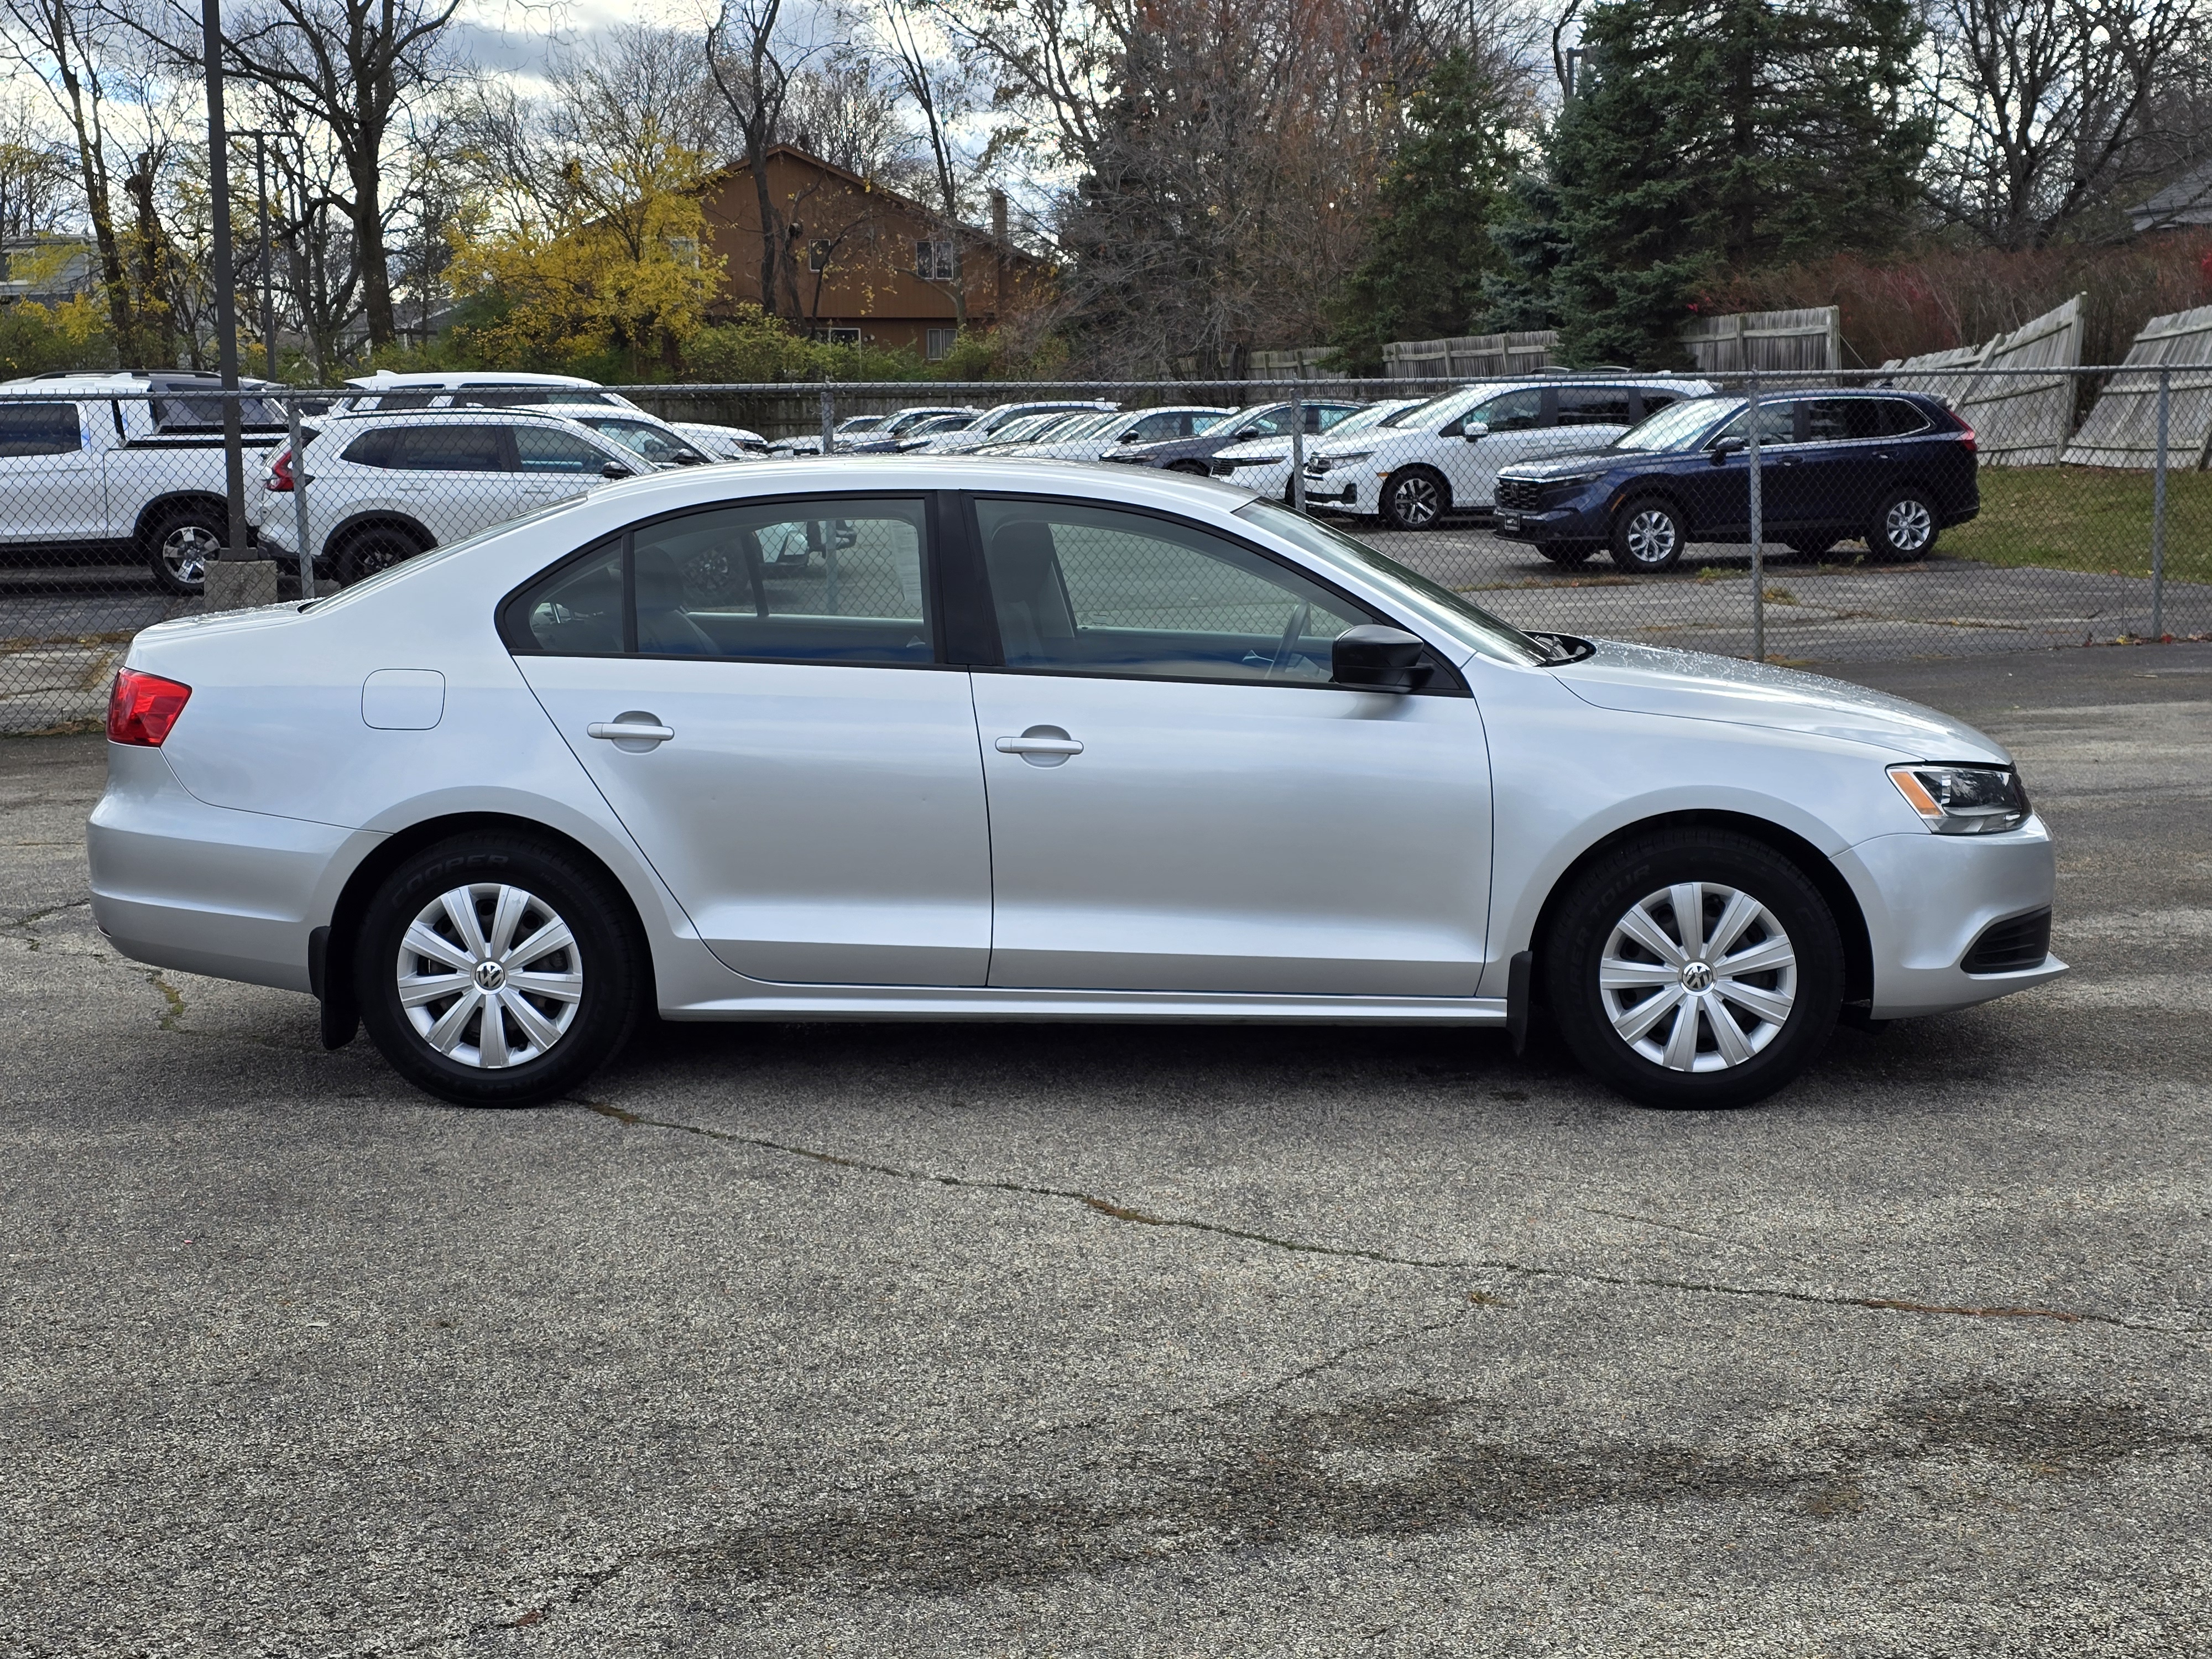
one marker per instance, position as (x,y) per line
(444,448)
(1837,420)
(549,449)
(844,584)
(1652,401)
(1902,420)
(1594,405)
(40,430)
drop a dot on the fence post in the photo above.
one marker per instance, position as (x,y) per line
(829,418)
(1297,449)
(2158,511)
(300,501)
(1758,552)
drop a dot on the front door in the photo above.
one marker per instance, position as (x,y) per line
(781,741)
(52,485)
(1718,489)
(1179,798)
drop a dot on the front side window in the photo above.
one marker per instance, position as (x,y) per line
(1777,424)
(40,430)
(1514,411)
(1089,590)
(649,442)
(831,580)
(545,449)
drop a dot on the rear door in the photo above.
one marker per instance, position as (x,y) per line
(52,487)
(454,476)
(814,798)
(1517,433)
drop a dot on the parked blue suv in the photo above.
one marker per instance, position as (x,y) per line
(1894,467)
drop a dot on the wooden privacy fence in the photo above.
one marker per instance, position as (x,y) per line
(1785,342)
(1303,364)
(1467,357)
(2121,429)
(2019,419)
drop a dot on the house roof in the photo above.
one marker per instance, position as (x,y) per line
(871,186)
(2186,201)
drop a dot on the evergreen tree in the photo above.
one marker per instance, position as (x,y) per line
(1422,278)
(1714,135)
(1530,248)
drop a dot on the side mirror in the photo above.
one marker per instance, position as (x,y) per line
(614,469)
(1725,448)
(1474,429)
(687,457)
(1372,658)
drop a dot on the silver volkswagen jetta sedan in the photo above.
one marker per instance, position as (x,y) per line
(1027,741)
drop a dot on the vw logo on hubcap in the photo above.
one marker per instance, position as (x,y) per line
(490,976)
(1697,976)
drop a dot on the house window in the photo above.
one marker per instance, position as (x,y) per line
(838,336)
(937,343)
(818,256)
(937,260)
(684,250)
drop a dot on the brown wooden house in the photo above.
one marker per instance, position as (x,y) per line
(869,264)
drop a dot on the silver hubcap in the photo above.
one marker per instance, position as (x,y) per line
(490,976)
(1697,977)
(1414,500)
(1651,536)
(186,551)
(1909,526)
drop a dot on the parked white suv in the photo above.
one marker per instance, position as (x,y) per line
(1264,464)
(1444,457)
(383,487)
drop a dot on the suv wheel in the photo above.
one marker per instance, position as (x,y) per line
(1648,535)
(1196,469)
(178,547)
(497,970)
(376,549)
(1694,968)
(1415,499)
(1903,525)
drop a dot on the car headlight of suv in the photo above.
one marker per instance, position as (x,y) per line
(1329,463)
(1571,480)
(1964,800)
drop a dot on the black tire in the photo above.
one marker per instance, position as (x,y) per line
(1648,535)
(1812,547)
(607,959)
(1568,556)
(1414,498)
(1904,526)
(179,544)
(376,549)
(1196,469)
(1645,872)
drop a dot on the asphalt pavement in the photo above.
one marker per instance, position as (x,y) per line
(1052,1340)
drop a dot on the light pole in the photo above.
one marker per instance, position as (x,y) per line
(226,302)
(261,135)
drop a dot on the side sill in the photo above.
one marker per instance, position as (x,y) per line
(977,1003)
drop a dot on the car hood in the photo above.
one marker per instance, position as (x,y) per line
(1558,466)
(1259,449)
(1651,679)
(1168,449)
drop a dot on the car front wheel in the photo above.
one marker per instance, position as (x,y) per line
(497,970)
(1904,526)
(1415,499)
(1648,536)
(1694,969)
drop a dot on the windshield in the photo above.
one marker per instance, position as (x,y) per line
(659,448)
(1373,416)
(1449,407)
(943,423)
(1451,611)
(1678,426)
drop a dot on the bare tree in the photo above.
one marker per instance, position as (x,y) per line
(38,182)
(752,61)
(941,90)
(2052,113)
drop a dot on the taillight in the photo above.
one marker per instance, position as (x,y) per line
(143,708)
(280,471)
(1965,437)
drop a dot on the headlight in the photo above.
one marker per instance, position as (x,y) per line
(1964,800)
(1324,462)
(1572,480)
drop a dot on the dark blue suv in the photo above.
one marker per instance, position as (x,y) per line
(1894,467)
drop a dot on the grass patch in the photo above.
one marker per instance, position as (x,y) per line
(2093,519)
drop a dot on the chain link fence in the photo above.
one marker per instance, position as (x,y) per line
(1808,519)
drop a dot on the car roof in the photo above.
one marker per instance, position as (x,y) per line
(386,380)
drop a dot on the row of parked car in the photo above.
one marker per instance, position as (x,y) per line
(132,464)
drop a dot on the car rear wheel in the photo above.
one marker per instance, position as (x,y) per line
(376,550)
(1197,468)
(1694,969)
(1415,499)
(180,547)
(1648,535)
(497,970)
(1903,525)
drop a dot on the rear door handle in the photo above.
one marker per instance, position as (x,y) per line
(634,729)
(1026,745)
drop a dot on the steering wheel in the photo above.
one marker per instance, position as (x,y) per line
(1292,635)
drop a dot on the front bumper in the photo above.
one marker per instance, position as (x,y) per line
(179,883)
(1928,898)
(1353,488)
(1579,520)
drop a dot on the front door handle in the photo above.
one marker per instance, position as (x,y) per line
(1041,745)
(634,729)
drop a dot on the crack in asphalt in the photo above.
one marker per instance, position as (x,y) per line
(27,925)
(582,1585)
(1307,1247)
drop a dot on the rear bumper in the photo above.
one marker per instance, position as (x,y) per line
(1928,898)
(179,883)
